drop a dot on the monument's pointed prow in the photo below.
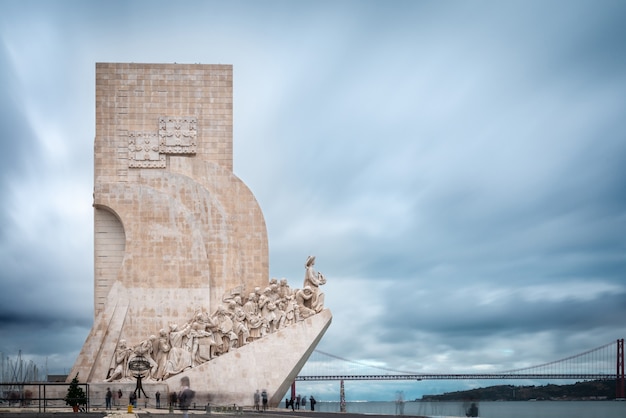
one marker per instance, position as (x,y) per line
(271,363)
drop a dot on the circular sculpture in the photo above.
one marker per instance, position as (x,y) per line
(139,364)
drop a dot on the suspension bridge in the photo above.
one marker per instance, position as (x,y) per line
(601,363)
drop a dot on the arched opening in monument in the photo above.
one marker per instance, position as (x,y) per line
(110,247)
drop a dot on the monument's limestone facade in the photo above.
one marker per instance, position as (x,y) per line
(181,252)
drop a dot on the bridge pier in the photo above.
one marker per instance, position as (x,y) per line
(342,397)
(619,376)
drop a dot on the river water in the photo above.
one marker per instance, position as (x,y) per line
(520,409)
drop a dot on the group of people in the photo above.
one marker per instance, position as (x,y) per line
(108,398)
(299,401)
(132,398)
(260,401)
(239,321)
(260,397)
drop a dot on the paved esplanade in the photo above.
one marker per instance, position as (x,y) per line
(153,413)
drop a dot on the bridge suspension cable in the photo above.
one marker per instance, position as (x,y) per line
(596,357)
(594,364)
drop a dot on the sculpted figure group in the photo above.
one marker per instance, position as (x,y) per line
(241,320)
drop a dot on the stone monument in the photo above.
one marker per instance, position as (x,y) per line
(182,286)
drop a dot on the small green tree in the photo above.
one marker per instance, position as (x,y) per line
(75,394)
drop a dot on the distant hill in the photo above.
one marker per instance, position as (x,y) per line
(590,390)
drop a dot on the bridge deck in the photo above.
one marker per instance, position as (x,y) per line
(467,376)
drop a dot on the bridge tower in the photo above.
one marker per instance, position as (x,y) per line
(619,378)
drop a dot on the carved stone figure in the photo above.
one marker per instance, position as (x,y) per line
(290,311)
(314,280)
(283,289)
(162,350)
(280,313)
(120,362)
(179,357)
(144,349)
(238,316)
(225,335)
(267,308)
(201,339)
(304,298)
(254,321)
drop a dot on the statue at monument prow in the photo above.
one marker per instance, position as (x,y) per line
(239,321)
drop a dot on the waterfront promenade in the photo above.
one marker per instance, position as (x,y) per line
(162,413)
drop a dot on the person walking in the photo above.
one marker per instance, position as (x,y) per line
(472,411)
(257,400)
(108,397)
(264,399)
(173,398)
(185,396)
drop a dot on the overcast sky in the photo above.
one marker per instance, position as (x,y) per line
(457,167)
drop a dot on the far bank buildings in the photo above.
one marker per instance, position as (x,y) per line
(182,286)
